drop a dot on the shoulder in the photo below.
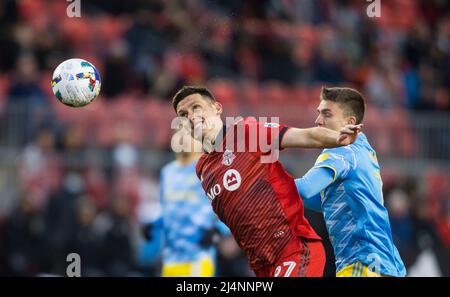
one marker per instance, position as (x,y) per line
(342,151)
(202,159)
(251,121)
(344,154)
(200,162)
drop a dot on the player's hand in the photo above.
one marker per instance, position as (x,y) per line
(146,231)
(209,238)
(348,134)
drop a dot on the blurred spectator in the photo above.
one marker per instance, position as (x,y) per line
(60,215)
(86,239)
(413,230)
(39,168)
(116,68)
(23,234)
(8,18)
(27,108)
(402,225)
(118,251)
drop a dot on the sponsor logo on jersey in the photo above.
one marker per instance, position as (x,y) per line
(231,180)
(214,192)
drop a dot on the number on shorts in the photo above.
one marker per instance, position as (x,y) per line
(289,264)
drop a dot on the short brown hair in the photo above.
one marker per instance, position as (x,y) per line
(189,90)
(350,100)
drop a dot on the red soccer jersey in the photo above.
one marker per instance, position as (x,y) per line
(258,201)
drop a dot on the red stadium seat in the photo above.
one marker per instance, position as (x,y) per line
(225,91)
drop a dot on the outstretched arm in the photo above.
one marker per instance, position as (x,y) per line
(319,137)
(311,184)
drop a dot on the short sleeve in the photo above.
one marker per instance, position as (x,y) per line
(267,136)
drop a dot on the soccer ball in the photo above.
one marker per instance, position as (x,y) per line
(76,82)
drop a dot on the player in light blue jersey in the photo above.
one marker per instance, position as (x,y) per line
(345,184)
(186,222)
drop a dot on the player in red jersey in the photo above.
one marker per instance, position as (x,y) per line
(248,187)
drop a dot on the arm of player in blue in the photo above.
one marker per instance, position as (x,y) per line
(311,184)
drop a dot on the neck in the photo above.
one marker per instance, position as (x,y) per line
(209,140)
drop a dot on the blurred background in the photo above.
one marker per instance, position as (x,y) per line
(76,179)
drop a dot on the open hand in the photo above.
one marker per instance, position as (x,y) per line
(348,134)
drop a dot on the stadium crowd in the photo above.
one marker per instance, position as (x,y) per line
(82,175)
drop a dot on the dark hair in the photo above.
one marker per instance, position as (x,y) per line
(351,100)
(189,90)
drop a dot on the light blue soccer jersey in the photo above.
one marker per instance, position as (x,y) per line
(186,215)
(352,205)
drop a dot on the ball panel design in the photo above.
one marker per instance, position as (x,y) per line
(76,82)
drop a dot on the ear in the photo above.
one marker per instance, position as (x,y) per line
(351,120)
(218,107)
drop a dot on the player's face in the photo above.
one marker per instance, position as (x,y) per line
(331,116)
(203,114)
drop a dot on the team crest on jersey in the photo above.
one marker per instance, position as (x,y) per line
(228,158)
(373,156)
(231,180)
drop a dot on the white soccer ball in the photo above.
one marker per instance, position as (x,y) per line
(76,82)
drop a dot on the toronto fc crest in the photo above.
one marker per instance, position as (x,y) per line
(228,158)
